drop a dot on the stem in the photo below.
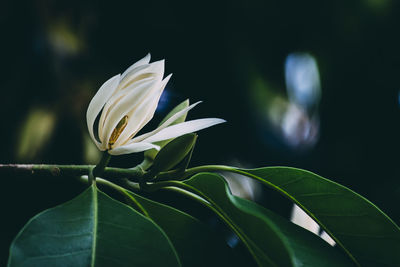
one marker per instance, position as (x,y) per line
(69,170)
(207,168)
(165,176)
(146,163)
(99,169)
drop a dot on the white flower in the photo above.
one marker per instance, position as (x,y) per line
(126,103)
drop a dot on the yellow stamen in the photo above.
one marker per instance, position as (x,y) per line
(117,131)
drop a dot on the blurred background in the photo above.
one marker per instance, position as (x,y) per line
(310,84)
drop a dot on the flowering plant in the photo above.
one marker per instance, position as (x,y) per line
(139,229)
(127,102)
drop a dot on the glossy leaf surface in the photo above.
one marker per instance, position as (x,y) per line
(195,243)
(273,240)
(91,230)
(358,226)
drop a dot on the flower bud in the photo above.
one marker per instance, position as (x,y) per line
(174,152)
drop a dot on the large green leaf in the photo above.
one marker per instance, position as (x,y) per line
(195,243)
(273,241)
(367,234)
(92,230)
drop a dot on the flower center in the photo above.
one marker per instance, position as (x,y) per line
(117,131)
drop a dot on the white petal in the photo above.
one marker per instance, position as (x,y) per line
(155,69)
(168,122)
(128,103)
(117,97)
(183,128)
(97,103)
(178,115)
(153,104)
(132,148)
(142,115)
(138,119)
(143,61)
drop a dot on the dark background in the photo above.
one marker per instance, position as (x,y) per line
(230,54)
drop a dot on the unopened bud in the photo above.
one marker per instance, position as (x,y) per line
(174,152)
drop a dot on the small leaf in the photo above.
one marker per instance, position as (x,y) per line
(91,230)
(367,234)
(174,152)
(152,153)
(272,240)
(195,243)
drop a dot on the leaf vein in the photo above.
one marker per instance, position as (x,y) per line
(290,182)
(27,259)
(70,220)
(367,235)
(341,214)
(116,225)
(61,235)
(317,194)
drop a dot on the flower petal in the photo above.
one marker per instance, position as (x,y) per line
(155,69)
(127,104)
(142,115)
(117,97)
(183,128)
(167,123)
(132,148)
(97,103)
(143,61)
(178,115)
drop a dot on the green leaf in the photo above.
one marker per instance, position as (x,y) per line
(195,243)
(306,249)
(174,152)
(367,234)
(91,230)
(152,153)
(272,240)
